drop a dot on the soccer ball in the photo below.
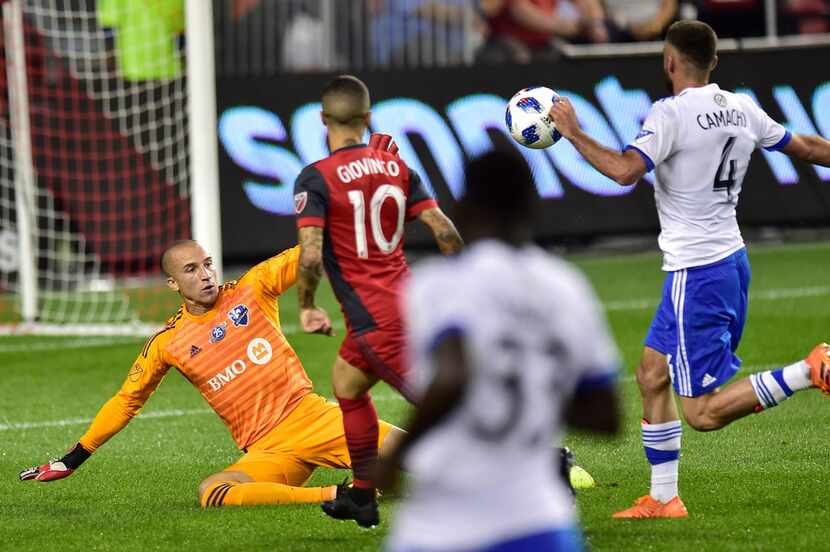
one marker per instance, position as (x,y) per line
(528,120)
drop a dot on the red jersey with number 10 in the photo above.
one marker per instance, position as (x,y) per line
(361,197)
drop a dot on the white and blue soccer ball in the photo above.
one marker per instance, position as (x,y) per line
(528,117)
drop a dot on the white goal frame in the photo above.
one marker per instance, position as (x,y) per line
(203,167)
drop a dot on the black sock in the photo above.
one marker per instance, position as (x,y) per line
(361,496)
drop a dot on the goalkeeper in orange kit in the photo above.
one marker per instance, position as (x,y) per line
(226,340)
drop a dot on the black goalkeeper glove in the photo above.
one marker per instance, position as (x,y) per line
(57,468)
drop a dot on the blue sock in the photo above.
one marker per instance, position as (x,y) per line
(662,445)
(775,386)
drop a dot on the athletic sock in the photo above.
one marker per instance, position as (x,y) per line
(226,493)
(662,445)
(774,386)
(360,422)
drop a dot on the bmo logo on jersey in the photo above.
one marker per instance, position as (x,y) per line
(220,380)
(259,352)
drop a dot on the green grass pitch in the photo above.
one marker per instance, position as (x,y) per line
(760,484)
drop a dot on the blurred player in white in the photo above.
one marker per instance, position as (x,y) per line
(507,346)
(699,142)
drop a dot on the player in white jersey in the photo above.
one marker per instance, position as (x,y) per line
(507,346)
(699,142)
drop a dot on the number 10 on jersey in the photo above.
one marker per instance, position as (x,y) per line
(384,192)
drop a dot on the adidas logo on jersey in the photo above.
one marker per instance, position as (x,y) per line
(194,350)
(708,380)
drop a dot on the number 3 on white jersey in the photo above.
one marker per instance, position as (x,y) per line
(375,205)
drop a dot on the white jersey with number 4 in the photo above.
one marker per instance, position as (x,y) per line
(533,332)
(700,142)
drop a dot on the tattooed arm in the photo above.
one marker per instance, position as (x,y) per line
(446,236)
(312,318)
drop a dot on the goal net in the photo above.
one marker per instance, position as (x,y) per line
(93,163)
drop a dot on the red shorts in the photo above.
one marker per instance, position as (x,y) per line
(379,352)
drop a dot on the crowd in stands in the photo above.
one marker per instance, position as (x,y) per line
(446,32)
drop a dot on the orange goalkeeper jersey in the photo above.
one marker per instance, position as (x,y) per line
(235,354)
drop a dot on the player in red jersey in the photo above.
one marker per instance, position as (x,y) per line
(351,208)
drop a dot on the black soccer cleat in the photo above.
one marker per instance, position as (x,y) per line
(566,462)
(344,507)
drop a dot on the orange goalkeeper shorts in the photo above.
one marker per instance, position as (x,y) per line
(312,435)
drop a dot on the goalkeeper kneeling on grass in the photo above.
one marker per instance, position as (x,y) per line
(226,340)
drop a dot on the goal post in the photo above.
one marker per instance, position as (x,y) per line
(22,164)
(108,153)
(204,156)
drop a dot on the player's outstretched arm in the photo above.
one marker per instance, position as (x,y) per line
(624,168)
(313,319)
(144,377)
(446,235)
(810,148)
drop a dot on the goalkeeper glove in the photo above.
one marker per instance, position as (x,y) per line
(57,468)
(383,142)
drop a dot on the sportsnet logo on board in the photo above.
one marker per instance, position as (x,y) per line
(529,104)
(300,201)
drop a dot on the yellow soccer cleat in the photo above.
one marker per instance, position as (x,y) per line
(581,479)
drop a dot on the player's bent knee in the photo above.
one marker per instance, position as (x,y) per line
(652,378)
(212,487)
(702,422)
(702,419)
(350,382)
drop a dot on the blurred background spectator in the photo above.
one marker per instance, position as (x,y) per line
(805,16)
(301,47)
(407,31)
(521,31)
(269,36)
(639,20)
(733,18)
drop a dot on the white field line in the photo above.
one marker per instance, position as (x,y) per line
(90,342)
(176,413)
(775,294)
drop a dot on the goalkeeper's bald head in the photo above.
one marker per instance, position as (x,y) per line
(346,103)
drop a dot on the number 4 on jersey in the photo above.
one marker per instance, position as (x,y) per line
(720,182)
